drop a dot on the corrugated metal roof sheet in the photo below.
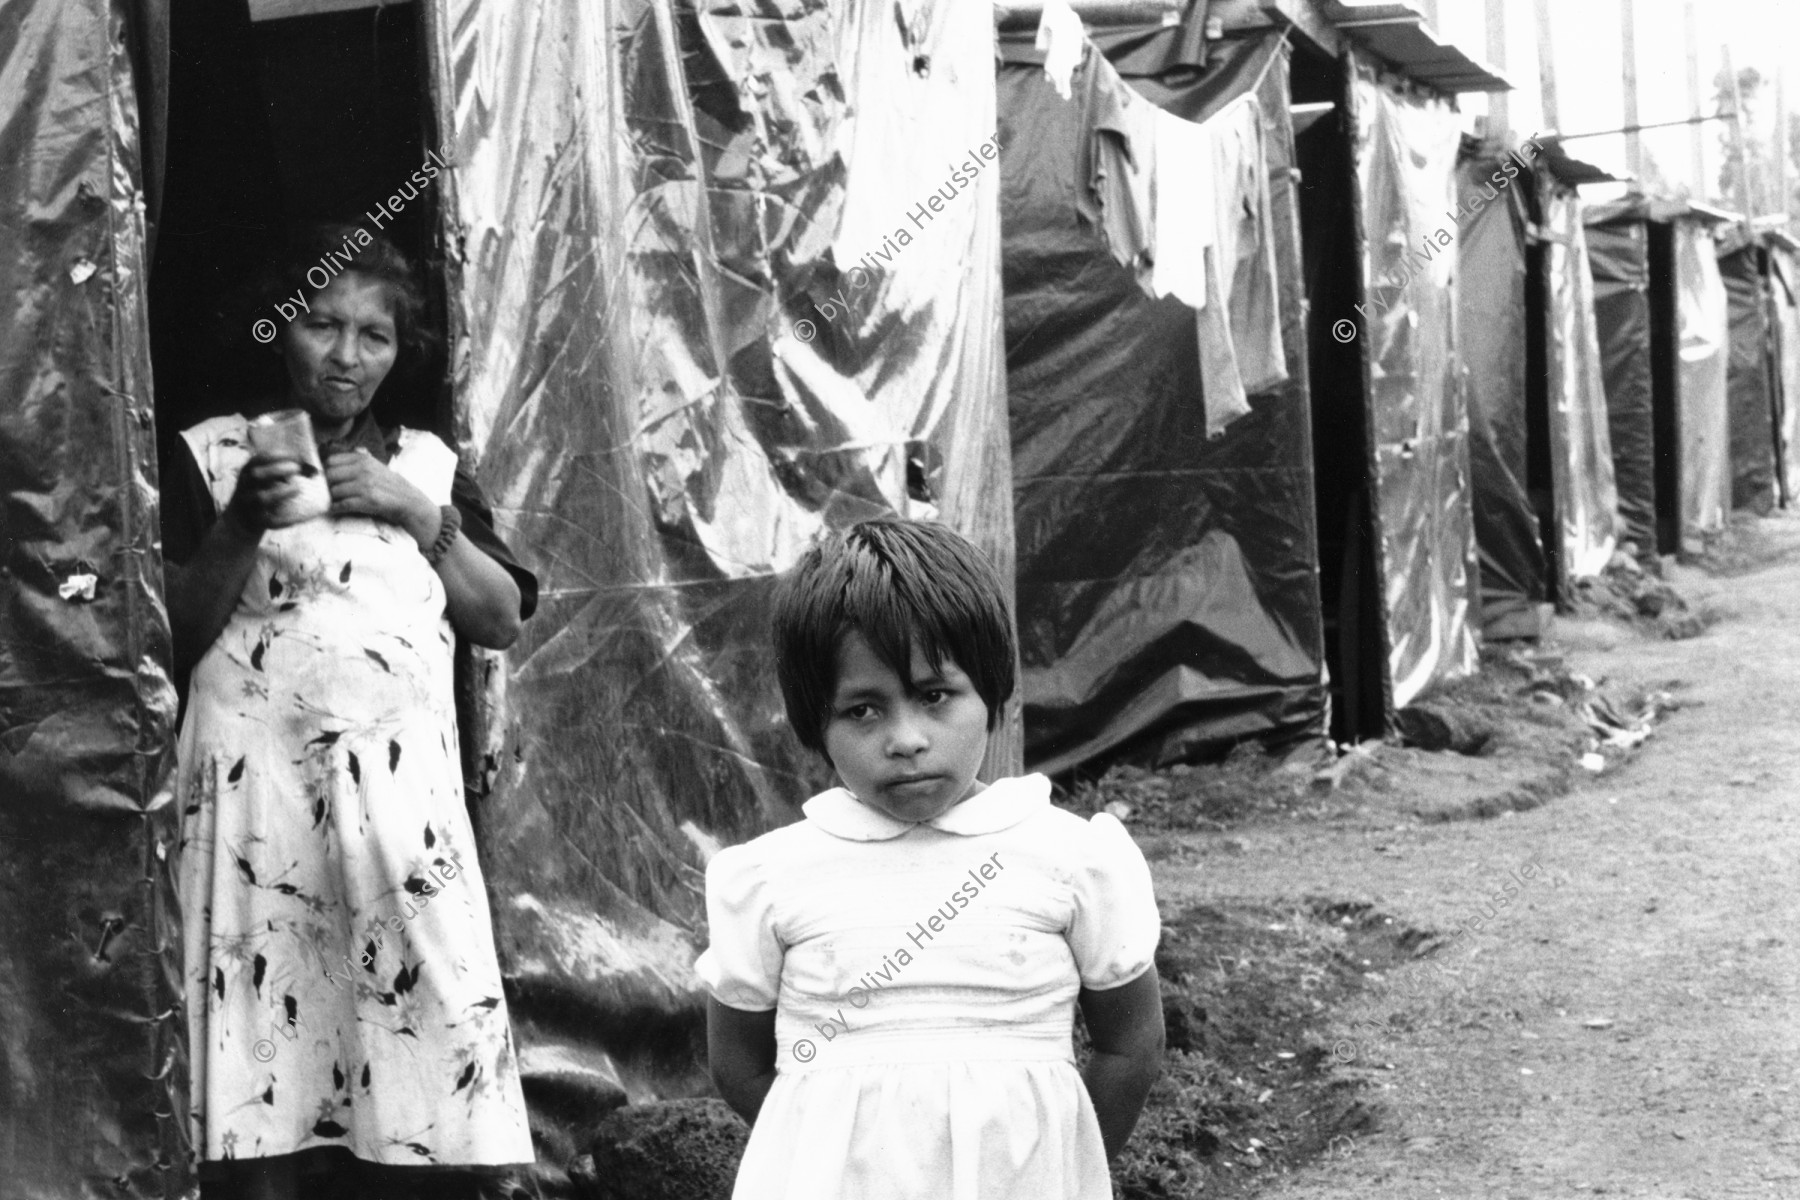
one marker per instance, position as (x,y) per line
(1568,169)
(1401,34)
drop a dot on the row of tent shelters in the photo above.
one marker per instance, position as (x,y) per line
(670,374)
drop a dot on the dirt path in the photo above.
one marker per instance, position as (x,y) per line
(1627,1023)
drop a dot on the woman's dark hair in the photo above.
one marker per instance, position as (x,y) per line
(320,253)
(894,582)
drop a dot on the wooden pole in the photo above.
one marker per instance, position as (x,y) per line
(1634,141)
(1783,201)
(1696,134)
(1746,202)
(1499,111)
(1547,65)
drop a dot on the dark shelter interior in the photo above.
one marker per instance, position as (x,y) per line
(273,126)
(1343,461)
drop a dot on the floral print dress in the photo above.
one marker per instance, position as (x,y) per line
(342,987)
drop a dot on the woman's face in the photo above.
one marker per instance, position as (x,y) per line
(340,350)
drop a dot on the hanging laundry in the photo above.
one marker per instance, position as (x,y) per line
(1185,205)
(1061,35)
(1221,186)
(1118,162)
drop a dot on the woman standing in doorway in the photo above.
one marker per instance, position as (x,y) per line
(344,1000)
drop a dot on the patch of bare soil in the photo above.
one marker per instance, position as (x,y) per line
(1251,1083)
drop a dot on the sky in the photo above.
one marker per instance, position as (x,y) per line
(1590,75)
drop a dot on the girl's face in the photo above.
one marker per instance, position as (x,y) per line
(912,755)
(340,350)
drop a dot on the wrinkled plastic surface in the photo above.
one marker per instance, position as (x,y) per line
(1618,257)
(1490,298)
(1168,599)
(1704,330)
(92,1073)
(651,209)
(1406,150)
(1787,335)
(1749,386)
(1587,502)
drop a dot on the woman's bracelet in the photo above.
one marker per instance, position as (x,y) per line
(449,525)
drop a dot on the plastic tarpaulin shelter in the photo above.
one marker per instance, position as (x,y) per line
(1168,598)
(1661,311)
(1750,382)
(1492,315)
(1704,345)
(1587,502)
(1406,150)
(673,372)
(92,1069)
(1786,303)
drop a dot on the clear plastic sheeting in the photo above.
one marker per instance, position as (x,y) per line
(92,1070)
(1587,502)
(1786,267)
(1749,382)
(1168,599)
(1406,149)
(721,280)
(1703,326)
(1490,297)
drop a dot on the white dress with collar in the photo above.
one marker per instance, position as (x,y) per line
(924,979)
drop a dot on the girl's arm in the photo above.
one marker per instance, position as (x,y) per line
(740,1048)
(1126,1026)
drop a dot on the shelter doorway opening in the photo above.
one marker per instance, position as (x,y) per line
(314,113)
(1349,580)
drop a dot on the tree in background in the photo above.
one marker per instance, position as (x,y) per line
(1746,175)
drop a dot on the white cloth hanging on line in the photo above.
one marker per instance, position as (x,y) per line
(1061,34)
(1185,204)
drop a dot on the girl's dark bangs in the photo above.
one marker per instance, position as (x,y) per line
(876,609)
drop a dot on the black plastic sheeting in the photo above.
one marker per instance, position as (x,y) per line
(1490,298)
(1406,148)
(92,1072)
(1167,584)
(1619,257)
(1750,385)
(672,377)
(1581,459)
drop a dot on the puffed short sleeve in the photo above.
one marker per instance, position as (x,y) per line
(1115,926)
(742,963)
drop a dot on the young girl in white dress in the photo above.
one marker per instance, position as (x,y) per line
(894,978)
